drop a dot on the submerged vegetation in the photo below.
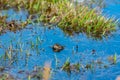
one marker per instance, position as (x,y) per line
(91,65)
(70,16)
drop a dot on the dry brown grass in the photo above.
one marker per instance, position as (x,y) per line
(46,71)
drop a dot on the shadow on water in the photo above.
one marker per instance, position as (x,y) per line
(22,51)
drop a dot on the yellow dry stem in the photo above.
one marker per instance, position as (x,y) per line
(46,71)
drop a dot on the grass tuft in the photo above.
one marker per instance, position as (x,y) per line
(71,17)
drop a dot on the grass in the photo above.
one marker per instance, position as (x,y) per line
(113,59)
(11,25)
(69,16)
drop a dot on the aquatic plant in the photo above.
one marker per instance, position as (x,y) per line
(29,77)
(75,18)
(32,45)
(11,25)
(69,16)
(88,66)
(56,60)
(113,59)
(76,67)
(88,22)
(68,67)
(40,73)
(6,76)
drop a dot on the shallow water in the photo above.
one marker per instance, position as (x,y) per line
(36,41)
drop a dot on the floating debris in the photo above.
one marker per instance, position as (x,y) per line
(57,47)
(93,51)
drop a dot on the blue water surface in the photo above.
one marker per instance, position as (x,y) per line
(48,37)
